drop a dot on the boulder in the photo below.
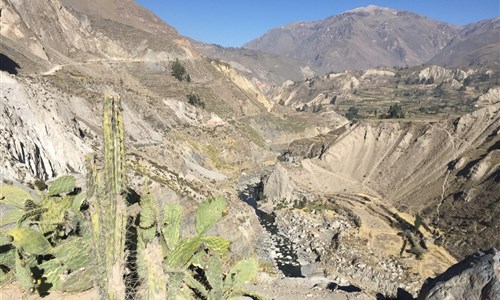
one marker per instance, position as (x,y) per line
(475,277)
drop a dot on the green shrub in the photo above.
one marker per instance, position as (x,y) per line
(352,113)
(418,221)
(179,72)
(317,108)
(395,112)
(195,100)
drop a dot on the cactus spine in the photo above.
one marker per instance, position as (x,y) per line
(109,222)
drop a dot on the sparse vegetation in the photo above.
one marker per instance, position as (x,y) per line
(299,204)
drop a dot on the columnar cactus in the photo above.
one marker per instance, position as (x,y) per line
(109,220)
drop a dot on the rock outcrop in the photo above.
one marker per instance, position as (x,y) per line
(475,277)
(440,75)
(278,187)
(491,97)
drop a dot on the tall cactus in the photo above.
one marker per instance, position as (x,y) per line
(109,220)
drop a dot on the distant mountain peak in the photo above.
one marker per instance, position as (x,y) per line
(371,9)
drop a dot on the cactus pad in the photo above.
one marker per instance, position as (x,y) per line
(214,271)
(195,284)
(11,216)
(56,209)
(52,271)
(209,212)
(7,257)
(30,240)
(78,201)
(73,253)
(78,281)
(244,271)
(181,255)
(217,244)
(147,216)
(23,273)
(13,196)
(61,185)
(171,229)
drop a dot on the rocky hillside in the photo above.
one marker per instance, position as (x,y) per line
(476,44)
(359,39)
(264,69)
(422,92)
(446,171)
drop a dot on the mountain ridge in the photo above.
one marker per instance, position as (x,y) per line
(359,39)
(475,44)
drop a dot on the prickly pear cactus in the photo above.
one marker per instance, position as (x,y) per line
(56,210)
(213,271)
(13,196)
(148,218)
(171,225)
(217,244)
(39,223)
(244,271)
(180,257)
(204,253)
(209,212)
(61,185)
(29,240)
(23,272)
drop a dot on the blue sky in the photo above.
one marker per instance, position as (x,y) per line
(235,22)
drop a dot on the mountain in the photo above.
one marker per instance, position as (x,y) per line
(66,32)
(358,39)
(475,44)
(125,12)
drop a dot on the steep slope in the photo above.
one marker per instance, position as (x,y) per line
(65,34)
(264,68)
(358,39)
(125,12)
(447,171)
(422,91)
(476,44)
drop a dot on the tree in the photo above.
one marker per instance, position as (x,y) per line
(179,72)
(333,100)
(352,113)
(418,221)
(317,108)
(395,112)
